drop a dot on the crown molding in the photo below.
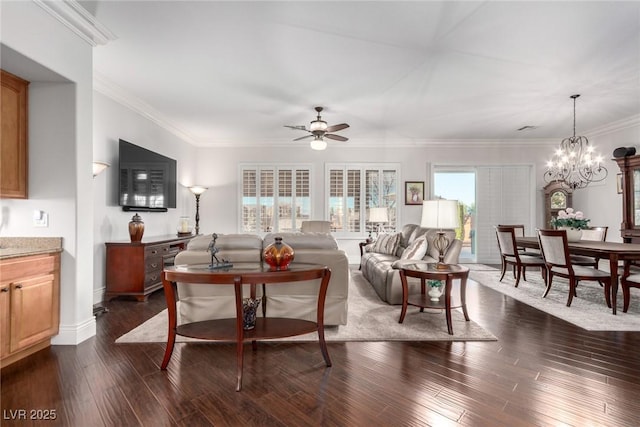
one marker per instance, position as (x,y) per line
(79,20)
(616,126)
(108,88)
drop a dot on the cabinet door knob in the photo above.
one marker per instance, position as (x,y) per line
(4,290)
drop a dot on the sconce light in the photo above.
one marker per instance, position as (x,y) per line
(198,190)
(98,167)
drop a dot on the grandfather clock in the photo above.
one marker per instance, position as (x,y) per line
(556,198)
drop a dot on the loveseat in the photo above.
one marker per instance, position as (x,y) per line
(382,259)
(292,300)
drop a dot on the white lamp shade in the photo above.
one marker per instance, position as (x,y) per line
(198,189)
(318,144)
(440,214)
(99,167)
(378,215)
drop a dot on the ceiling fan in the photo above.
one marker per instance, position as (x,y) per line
(319,130)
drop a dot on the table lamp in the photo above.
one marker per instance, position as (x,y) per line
(378,216)
(440,214)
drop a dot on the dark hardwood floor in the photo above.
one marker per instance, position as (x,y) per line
(541,372)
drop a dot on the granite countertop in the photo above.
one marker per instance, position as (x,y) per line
(14,247)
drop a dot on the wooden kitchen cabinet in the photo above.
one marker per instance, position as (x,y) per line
(30,303)
(13,143)
(135,269)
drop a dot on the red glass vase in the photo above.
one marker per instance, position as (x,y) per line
(278,255)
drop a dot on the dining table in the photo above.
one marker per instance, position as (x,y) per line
(613,251)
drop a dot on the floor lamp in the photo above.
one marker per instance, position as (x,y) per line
(198,190)
(440,214)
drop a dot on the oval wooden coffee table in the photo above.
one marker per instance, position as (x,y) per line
(231,329)
(429,271)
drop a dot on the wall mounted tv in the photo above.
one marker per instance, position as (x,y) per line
(147,180)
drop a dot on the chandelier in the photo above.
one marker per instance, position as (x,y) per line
(574,164)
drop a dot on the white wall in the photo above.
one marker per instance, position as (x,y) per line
(59,64)
(600,202)
(113,121)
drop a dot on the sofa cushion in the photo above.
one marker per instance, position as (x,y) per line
(226,241)
(310,240)
(416,250)
(387,243)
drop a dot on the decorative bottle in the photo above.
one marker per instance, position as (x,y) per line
(278,255)
(136,228)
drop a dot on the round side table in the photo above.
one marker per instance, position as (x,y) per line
(428,271)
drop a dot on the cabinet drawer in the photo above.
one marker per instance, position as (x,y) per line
(153,264)
(156,250)
(152,278)
(21,268)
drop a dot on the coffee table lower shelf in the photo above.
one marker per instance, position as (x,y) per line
(266,328)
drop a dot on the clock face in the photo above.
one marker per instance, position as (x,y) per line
(558,200)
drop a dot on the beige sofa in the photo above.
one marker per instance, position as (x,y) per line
(380,266)
(292,300)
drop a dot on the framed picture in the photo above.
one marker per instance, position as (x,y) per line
(413,192)
(619,183)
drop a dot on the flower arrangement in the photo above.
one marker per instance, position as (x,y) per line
(434,283)
(570,218)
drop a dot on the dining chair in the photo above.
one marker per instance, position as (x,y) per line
(630,279)
(555,251)
(597,234)
(510,255)
(519,232)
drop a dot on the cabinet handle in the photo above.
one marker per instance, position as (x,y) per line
(154,251)
(4,290)
(154,265)
(18,286)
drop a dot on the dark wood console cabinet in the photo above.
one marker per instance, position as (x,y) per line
(135,269)
(630,226)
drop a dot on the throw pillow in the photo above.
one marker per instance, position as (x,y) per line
(416,250)
(387,244)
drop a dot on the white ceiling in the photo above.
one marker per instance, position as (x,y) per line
(234,73)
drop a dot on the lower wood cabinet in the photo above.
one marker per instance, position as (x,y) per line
(135,269)
(29,304)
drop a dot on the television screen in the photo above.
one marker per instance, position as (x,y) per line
(147,179)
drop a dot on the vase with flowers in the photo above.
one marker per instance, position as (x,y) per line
(435,289)
(571,221)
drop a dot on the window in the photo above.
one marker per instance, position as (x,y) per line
(354,188)
(274,198)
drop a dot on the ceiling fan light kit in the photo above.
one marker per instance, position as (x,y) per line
(318,130)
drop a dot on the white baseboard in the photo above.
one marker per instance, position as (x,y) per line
(75,334)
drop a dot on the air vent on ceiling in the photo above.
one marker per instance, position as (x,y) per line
(528,127)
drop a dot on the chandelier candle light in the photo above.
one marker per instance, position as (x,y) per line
(574,163)
(440,214)
(198,190)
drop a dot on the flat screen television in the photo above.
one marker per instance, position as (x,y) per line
(147,180)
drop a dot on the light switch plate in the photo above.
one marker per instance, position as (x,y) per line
(40,219)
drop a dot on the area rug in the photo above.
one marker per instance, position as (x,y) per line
(588,310)
(369,319)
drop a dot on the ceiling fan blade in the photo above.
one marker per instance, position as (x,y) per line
(335,137)
(335,128)
(304,137)
(299,127)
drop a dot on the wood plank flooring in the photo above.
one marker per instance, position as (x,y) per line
(541,372)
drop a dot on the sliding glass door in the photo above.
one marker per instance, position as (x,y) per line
(460,184)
